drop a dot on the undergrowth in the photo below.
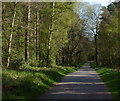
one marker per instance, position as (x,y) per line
(31,82)
(111,79)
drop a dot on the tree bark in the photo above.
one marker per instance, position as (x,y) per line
(71,53)
(27,36)
(39,46)
(96,50)
(11,36)
(51,34)
(63,57)
(36,35)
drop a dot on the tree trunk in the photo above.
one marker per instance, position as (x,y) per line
(27,36)
(70,59)
(51,34)
(96,50)
(11,36)
(68,48)
(71,51)
(63,57)
(39,47)
(36,35)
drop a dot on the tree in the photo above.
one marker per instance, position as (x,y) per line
(27,36)
(50,34)
(91,15)
(11,35)
(108,36)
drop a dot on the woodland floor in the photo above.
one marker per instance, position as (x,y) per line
(82,84)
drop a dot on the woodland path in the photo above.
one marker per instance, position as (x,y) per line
(85,83)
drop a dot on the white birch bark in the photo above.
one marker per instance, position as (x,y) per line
(11,36)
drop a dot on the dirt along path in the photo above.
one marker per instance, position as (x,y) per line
(82,84)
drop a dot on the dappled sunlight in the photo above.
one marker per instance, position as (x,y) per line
(58,47)
(85,66)
(63,83)
(82,84)
(82,75)
(71,92)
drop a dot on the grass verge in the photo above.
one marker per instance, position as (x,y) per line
(111,79)
(29,83)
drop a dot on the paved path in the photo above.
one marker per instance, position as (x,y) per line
(82,84)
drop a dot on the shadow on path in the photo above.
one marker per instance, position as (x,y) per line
(82,84)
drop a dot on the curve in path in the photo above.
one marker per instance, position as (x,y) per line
(82,84)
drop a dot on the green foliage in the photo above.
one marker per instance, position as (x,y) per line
(108,38)
(16,63)
(34,63)
(64,19)
(71,43)
(30,82)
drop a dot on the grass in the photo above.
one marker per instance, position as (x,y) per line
(111,78)
(31,82)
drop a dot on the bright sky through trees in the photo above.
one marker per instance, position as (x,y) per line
(102,2)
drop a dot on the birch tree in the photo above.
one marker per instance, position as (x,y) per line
(27,36)
(50,34)
(11,35)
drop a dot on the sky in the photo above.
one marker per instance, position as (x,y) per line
(102,2)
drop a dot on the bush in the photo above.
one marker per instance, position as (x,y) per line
(31,82)
(34,63)
(16,63)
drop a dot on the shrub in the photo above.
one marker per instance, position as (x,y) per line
(16,63)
